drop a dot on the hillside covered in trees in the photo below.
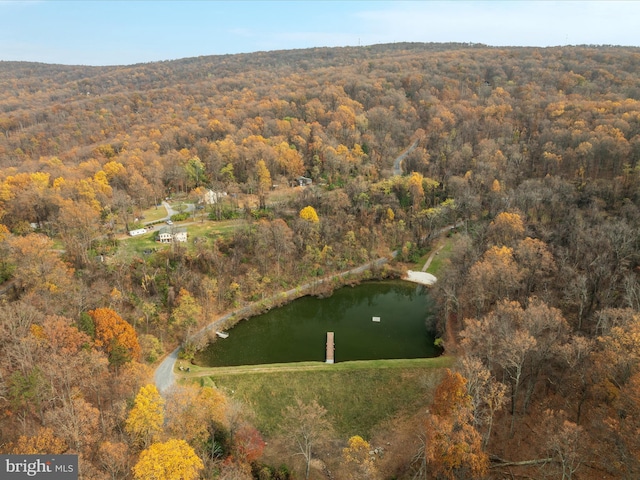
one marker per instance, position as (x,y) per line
(534,152)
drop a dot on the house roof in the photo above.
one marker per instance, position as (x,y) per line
(173,230)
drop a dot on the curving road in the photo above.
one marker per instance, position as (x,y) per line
(171,211)
(164,376)
(397,164)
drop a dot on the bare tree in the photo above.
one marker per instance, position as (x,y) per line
(487,394)
(566,443)
(307,428)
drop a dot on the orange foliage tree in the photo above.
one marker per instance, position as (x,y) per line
(453,447)
(506,228)
(116,336)
(113,458)
(44,442)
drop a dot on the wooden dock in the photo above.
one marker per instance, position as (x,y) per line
(330,347)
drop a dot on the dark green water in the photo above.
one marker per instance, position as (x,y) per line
(297,332)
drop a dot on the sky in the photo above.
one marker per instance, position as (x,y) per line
(124,32)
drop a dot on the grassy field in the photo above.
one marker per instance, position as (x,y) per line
(284,194)
(357,395)
(209,228)
(443,254)
(154,214)
(135,246)
(445,246)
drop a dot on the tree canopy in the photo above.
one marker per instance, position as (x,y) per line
(304,164)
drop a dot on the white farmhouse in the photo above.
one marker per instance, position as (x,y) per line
(210,197)
(172,234)
(180,234)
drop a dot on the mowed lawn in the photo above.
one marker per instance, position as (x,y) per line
(442,256)
(208,228)
(357,395)
(154,214)
(445,247)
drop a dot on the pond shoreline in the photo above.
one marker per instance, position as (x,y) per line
(321,288)
(375,319)
(164,376)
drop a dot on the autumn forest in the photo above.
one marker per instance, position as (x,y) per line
(325,160)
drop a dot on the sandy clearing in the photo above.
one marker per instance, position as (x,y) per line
(423,278)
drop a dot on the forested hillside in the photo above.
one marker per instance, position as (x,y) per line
(535,153)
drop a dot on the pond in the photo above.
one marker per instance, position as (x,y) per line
(297,332)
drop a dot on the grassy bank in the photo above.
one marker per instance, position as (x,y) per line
(357,395)
(442,256)
(444,247)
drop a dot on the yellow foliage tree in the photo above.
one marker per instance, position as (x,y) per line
(390,215)
(4,233)
(113,169)
(416,189)
(41,268)
(359,464)
(289,160)
(187,311)
(506,229)
(309,214)
(264,182)
(170,460)
(146,418)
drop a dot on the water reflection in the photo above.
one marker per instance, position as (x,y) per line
(297,331)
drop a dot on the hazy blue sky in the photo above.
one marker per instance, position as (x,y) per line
(93,32)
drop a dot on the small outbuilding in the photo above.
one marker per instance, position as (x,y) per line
(303,181)
(137,231)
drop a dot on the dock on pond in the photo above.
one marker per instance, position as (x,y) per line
(330,347)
